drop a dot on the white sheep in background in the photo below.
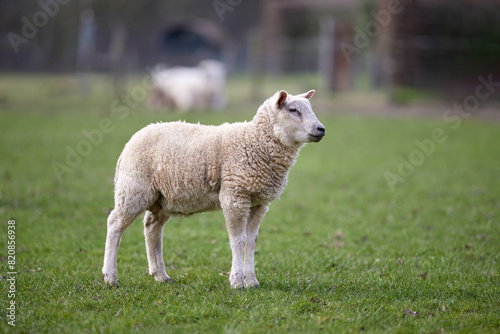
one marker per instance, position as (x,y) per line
(187,88)
(178,169)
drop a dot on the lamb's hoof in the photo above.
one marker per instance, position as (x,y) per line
(110,279)
(237,286)
(252,284)
(161,277)
(236,283)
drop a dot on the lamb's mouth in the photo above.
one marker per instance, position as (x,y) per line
(314,138)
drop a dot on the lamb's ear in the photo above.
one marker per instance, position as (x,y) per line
(309,94)
(281,98)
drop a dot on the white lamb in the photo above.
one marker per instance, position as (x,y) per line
(186,88)
(178,169)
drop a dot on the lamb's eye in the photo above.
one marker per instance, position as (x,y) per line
(292,110)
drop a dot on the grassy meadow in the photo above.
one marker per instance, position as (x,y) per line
(340,252)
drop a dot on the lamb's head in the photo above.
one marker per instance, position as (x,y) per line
(295,122)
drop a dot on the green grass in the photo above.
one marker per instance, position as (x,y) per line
(338,252)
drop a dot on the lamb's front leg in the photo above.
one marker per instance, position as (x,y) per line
(236,213)
(256,215)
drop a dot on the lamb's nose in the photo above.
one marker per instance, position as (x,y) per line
(321,130)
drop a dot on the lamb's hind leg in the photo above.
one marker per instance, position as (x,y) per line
(117,224)
(153,232)
(131,199)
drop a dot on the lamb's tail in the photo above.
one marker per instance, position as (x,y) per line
(117,172)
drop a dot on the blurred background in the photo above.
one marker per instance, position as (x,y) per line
(396,211)
(365,54)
